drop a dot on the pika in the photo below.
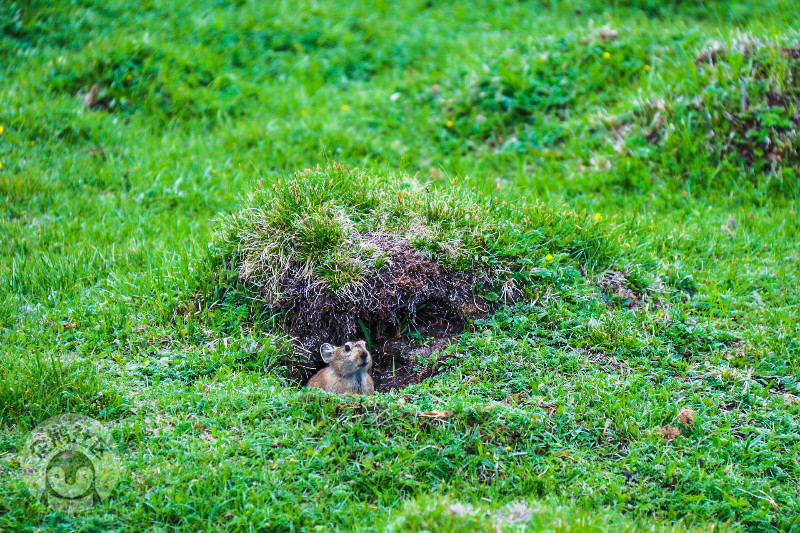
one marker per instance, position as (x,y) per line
(350,369)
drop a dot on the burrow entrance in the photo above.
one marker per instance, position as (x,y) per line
(397,351)
(412,308)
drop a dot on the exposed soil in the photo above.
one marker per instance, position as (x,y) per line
(794,53)
(411,308)
(783,101)
(781,144)
(746,126)
(396,366)
(747,47)
(614,286)
(718,51)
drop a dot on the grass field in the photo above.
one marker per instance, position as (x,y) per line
(623,177)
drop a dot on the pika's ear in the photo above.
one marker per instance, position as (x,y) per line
(326,351)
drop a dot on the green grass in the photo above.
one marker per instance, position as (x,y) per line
(601,137)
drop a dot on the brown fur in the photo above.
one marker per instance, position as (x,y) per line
(350,369)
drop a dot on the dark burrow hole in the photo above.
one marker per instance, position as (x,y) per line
(397,350)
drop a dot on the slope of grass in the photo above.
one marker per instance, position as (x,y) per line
(572,402)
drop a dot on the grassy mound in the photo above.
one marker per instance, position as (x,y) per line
(340,253)
(739,115)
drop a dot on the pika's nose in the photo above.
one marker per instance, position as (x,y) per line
(363,359)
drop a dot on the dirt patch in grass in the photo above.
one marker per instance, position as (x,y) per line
(785,101)
(747,47)
(777,124)
(618,292)
(411,308)
(761,122)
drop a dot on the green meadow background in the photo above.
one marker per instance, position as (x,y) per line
(653,142)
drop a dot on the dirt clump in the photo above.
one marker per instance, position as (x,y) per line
(786,102)
(669,432)
(760,125)
(686,417)
(747,47)
(617,290)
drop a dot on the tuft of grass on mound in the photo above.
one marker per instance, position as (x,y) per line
(319,220)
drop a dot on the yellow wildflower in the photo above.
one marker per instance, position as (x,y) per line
(606,55)
(345,107)
(508,448)
(627,245)
(449,123)
(598,216)
(548,257)
(2,129)
(1,164)
(647,68)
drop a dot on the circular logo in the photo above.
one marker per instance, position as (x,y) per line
(70,462)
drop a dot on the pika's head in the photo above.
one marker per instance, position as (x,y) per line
(349,359)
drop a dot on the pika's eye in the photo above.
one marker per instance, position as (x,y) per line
(346,347)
